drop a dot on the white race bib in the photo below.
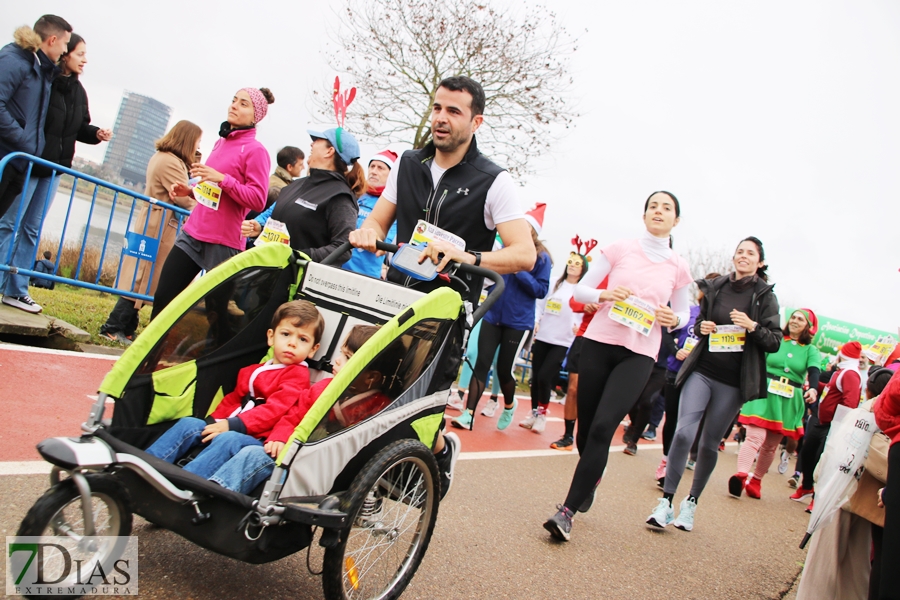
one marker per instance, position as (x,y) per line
(553,307)
(689,344)
(727,338)
(781,387)
(274,231)
(634,313)
(426,232)
(208,194)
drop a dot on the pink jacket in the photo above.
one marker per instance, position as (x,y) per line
(245,164)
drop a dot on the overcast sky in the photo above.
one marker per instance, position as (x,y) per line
(773,119)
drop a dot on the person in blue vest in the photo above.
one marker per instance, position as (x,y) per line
(363,261)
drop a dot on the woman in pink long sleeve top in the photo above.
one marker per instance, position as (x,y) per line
(234,181)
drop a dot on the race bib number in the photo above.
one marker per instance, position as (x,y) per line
(689,344)
(425,233)
(554,307)
(881,349)
(274,231)
(781,387)
(635,313)
(208,194)
(727,338)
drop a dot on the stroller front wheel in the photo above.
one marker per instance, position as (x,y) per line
(392,506)
(59,512)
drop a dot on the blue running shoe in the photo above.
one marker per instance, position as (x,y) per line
(463,421)
(685,520)
(663,515)
(506,416)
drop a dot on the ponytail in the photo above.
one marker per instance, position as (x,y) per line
(357,179)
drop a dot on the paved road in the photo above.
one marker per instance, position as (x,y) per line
(489,542)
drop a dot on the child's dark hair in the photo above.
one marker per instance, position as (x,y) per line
(878,380)
(359,335)
(761,270)
(300,313)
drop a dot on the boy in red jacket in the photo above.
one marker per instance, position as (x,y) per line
(264,393)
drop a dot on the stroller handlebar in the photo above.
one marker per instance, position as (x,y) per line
(493,296)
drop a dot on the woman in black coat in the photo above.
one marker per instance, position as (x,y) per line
(68,121)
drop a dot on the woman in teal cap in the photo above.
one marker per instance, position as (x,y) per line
(781,412)
(315,214)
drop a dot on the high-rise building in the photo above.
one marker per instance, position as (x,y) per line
(141,121)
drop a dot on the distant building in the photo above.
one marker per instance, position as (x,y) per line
(141,121)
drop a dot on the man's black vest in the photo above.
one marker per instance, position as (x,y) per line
(456,204)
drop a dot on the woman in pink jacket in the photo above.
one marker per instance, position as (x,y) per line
(234,181)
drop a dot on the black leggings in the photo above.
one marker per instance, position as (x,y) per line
(489,339)
(890,543)
(640,412)
(671,422)
(546,359)
(813,446)
(609,383)
(177,273)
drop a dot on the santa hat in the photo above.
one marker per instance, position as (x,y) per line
(535,216)
(851,350)
(388,157)
(811,319)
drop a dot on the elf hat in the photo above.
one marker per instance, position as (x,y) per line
(811,319)
(388,157)
(851,350)
(535,216)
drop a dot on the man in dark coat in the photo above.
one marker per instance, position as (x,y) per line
(27,68)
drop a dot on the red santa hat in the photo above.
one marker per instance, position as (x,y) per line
(852,350)
(388,157)
(535,216)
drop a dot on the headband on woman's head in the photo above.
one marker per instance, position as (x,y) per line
(260,104)
(341,102)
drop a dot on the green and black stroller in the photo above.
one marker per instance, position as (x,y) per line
(369,484)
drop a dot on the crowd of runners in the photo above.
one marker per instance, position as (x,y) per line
(640,337)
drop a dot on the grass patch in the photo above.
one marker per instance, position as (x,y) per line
(83,308)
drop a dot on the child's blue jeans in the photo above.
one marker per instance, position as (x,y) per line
(186,434)
(246,470)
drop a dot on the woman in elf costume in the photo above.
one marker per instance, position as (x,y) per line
(781,412)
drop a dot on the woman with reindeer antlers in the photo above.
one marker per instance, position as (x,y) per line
(315,214)
(554,332)
(622,341)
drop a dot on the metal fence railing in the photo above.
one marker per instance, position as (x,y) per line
(112,235)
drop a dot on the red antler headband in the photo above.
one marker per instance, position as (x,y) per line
(341,102)
(588,245)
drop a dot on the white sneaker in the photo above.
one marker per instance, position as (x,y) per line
(490,408)
(22,303)
(540,421)
(455,402)
(528,422)
(685,520)
(783,465)
(662,515)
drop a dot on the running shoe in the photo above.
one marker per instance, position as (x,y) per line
(564,443)
(809,508)
(661,469)
(560,524)
(447,461)
(506,416)
(540,421)
(736,484)
(663,515)
(456,403)
(722,446)
(650,434)
(463,421)
(528,422)
(794,482)
(630,448)
(802,495)
(783,465)
(490,408)
(116,336)
(690,465)
(22,303)
(685,520)
(754,488)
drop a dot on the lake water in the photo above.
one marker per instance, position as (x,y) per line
(55,221)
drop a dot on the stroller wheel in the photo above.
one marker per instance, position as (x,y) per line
(59,512)
(392,505)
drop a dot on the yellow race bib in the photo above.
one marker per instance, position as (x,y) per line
(553,307)
(274,231)
(781,387)
(634,313)
(689,344)
(727,338)
(208,194)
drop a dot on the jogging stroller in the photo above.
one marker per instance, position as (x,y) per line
(367,482)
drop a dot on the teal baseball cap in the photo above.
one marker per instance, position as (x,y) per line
(343,141)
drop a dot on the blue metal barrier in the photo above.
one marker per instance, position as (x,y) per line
(146,244)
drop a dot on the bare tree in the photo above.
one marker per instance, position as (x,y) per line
(704,260)
(396,52)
